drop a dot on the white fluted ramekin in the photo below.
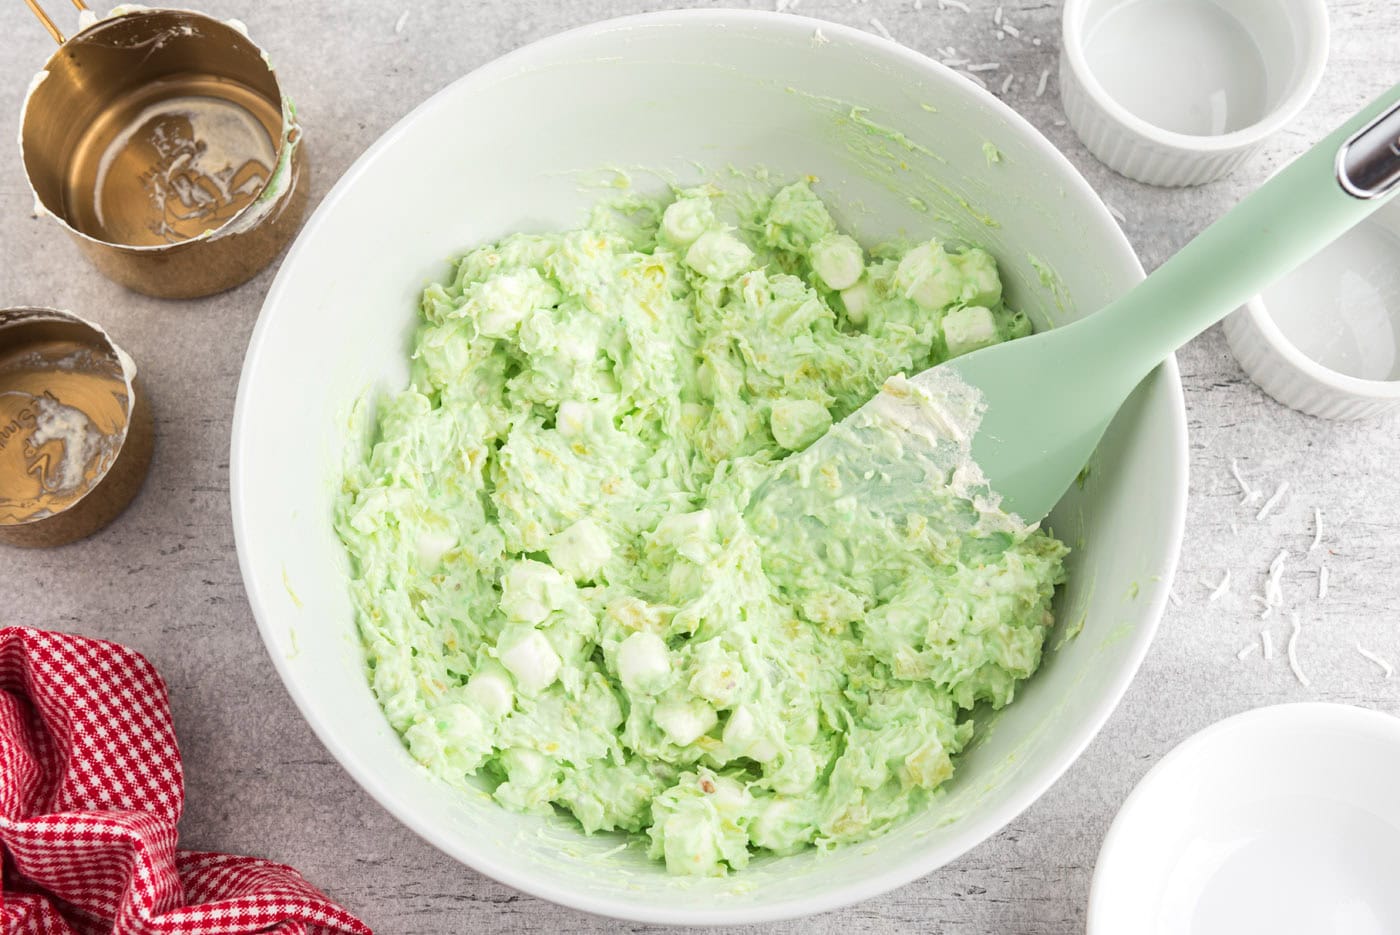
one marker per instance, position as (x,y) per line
(1283,371)
(1294,360)
(1132,146)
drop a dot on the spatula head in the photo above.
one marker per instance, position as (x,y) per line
(1047,400)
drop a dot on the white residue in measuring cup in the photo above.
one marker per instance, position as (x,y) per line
(82,443)
(203,159)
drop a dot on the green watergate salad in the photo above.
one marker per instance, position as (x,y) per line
(587,566)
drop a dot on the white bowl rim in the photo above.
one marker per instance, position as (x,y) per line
(1334,381)
(974,831)
(1328,713)
(1319,30)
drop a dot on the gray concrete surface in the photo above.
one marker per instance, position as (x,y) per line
(164,579)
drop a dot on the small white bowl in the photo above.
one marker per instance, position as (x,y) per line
(1281,820)
(1325,339)
(1181,92)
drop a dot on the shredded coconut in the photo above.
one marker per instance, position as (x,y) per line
(399,23)
(879,27)
(1386,669)
(1293,654)
(996,16)
(1317,529)
(956,62)
(974,77)
(1322,576)
(1247,492)
(1011,31)
(1044,80)
(1272,502)
(955,4)
(985,66)
(1246,650)
(1221,589)
(1273,585)
(1118,216)
(1006,85)
(1266,640)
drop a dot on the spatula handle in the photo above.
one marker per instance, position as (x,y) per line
(1307,205)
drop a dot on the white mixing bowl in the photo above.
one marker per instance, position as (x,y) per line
(512,147)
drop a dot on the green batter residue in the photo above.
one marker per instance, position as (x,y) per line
(586,568)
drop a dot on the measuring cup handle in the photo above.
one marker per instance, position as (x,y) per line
(48,23)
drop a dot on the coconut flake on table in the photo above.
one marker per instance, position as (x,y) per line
(1044,80)
(1266,640)
(1246,650)
(1293,654)
(996,16)
(1322,576)
(1386,669)
(1006,85)
(399,23)
(1317,529)
(984,66)
(1118,216)
(972,76)
(1011,31)
(1273,584)
(1221,589)
(954,4)
(1248,493)
(879,27)
(1273,501)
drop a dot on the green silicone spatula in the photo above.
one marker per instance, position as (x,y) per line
(1049,397)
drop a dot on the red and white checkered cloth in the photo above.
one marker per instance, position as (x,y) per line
(90,792)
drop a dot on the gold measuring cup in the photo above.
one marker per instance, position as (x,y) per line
(75,428)
(161,140)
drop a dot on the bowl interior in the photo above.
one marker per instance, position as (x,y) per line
(1279,820)
(530,143)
